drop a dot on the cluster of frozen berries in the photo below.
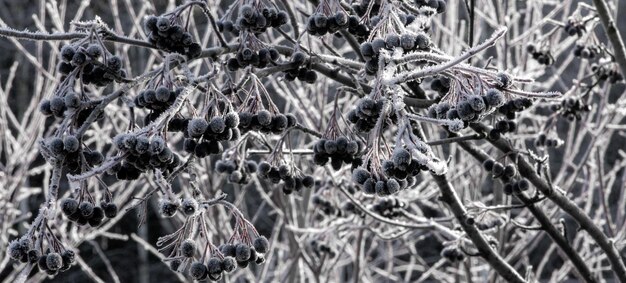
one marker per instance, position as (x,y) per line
(438,5)
(246,56)
(338,151)
(607,73)
(389,207)
(365,114)
(143,154)
(158,99)
(516,186)
(511,107)
(322,249)
(325,205)
(379,185)
(293,181)
(169,36)
(586,52)
(572,108)
(86,59)
(499,170)
(502,127)
(440,84)
(452,253)
(51,262)
(258,21)
(321,24)
(300,70)
(574,27)
(86,212)
(407,41)
(68,149)
(203,137)
(543,140)
(236,172)
(266,122)
(247,253)
(471,108)
(542,56)
(402,166)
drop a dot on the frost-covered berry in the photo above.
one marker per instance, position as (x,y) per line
(33,256)
(71,100)
(261,244)
(162,94)
(86,209)
(68,257)
(188,248)
(198,271)
(69,206)
(67,53)
(264,117)
(175,264)
(167,208)
(229,264)
(307,181)
(393,186)
(360,176)
(494,97)
(56,145)
(401,157)
(15,250)
(465,110)
(70,143)
(264,167)
(407,41)
(231,119)
(228,249)
(44,107)
(242,252)
(523,185)
(214,265)
(53,261)
(157,145)
(189,206)
(217,125)
(197,127)
(476,102)
(94,51)
(110,209)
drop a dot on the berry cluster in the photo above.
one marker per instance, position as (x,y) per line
(574,27)
(300,71)
(572,108)
(86,212)
(51,262)
(543,140)
(502,127)
(452,253)
(516,186)
(586,52)
(142,154)
(338,151)
(542,56)
(69,150)
(408,42)
(247,253)
(389,207)
(321,24)
(510,108)
(168,207)
(322,248)
(266,122)
(204,137)
(259,19)
(170,36)
(86,60)
(59,104)
(471,108)
(375,184)
(605,73)
(293,179)
(259,57)
(440,84)
(438,5)
(326,206)
(402,167)
(238,172)
(498,170)
(365,114)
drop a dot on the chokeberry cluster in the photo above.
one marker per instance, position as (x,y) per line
(300,70)
(265,121)
(141,154)
(204,137)
(158,100)
(338,151)
(543,140)
(293,179)
(366,113)
(246,253)
(252,52)
(575,27)
(389,207)
(572,108)
(167,34)
(320,249)
(470,108)
(320,23)
(69,150)
(376,184)
(407,41)
(511,107)
(586,52)
(84,212)
(238,171)
(256,18)
(516,186)
(440,84)
(502,127)
(500,171)
(86,60)
(543,56)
